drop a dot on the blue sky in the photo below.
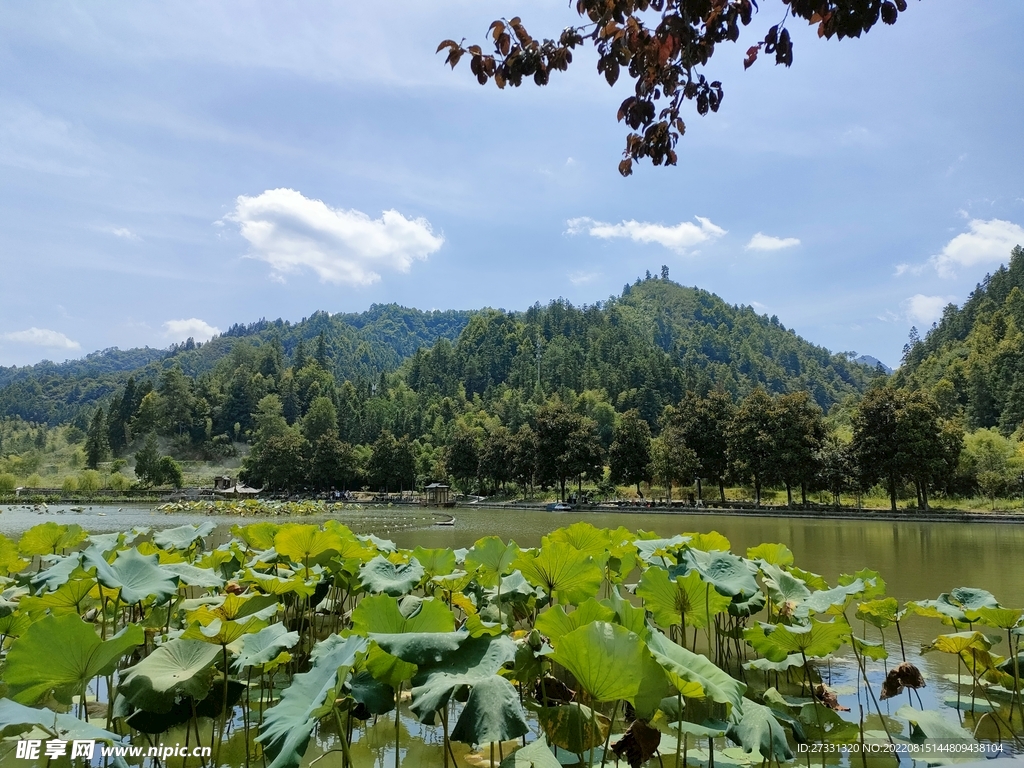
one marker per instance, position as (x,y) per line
(168,169)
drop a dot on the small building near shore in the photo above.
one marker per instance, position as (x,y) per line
(437,495)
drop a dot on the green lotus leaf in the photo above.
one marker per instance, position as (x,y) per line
(476,626)
(378,698)
(756,728)
(279,585)
(773,554)
(182,537)
(536,754)
(69,597)
(573,727)
(880,613)
(821,724)
(381,614)
(456,581)
(58,570)
(514,589)
(304,543)
(136,576)
(232,608)
(381,575)
(1002,618)
(712,541)
(258,535)
(223,631)
(50,538)
(492,714)
(653,687)
(177,668)
(492,558)
(555,622)
(660,551)
(606,660)
(958,642)
(783,587)
(258,648)
(767,665)
(193,576)
(628,615)
(15,624)
(812,580)
(929,724)
(381,545)
(287,726)
(582,536)
(61,654)
(16,719)
(436,562)
(709,729)
(467,662)
(694,675)
(686,600)
(958,606)
(870,649)
(731,575)
(10,560)
(565,573)
(816,639)
(749,606)
(420,648)
(832,600)
(389,670)
(874,584)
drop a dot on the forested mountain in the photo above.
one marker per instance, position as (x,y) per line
(972,360)
(360,345)
(642,350)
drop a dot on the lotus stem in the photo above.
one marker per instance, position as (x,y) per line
(608,739)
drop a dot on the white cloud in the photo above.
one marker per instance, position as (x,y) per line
(678,238)
(986,242)
(200,330)
(292,232)
(124,232)
(42,337)
(580,277)
(762,242)
(925,310)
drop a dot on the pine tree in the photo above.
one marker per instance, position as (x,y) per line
(96,446)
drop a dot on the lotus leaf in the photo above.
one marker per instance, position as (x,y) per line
(685,600)
(536,754)
(693,675)
(1002,618)
(606,660)
(10,561)
(466,662)
(378,698)
(773,554)
(730,575)
(436,562)
(929,724)
(756,728)
(565,573)
(492,713)
(817,639)
(49,538)
(958,643)
(628,615)
(221,631)
(822,724)
(664,550)
(304,543)
(69,597)
(135,576)
(812,580)
(182,537)
(381,614)
(381,575)
(880,613)
(177,668)
(194,576)
(555,622)
(783,587)
(258,535)
(58,571)
(573,727)
(492,558)
(17,719)
(582,536)
(287,725)
(832,600)
(870,649)
(712,541)
(61,655)
(874,584)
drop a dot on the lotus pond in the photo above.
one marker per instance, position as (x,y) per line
(283,644)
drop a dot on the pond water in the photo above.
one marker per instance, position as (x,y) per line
(918,560)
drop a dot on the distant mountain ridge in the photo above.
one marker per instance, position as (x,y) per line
(644,348)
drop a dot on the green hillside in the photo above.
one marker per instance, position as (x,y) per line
(972,360)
